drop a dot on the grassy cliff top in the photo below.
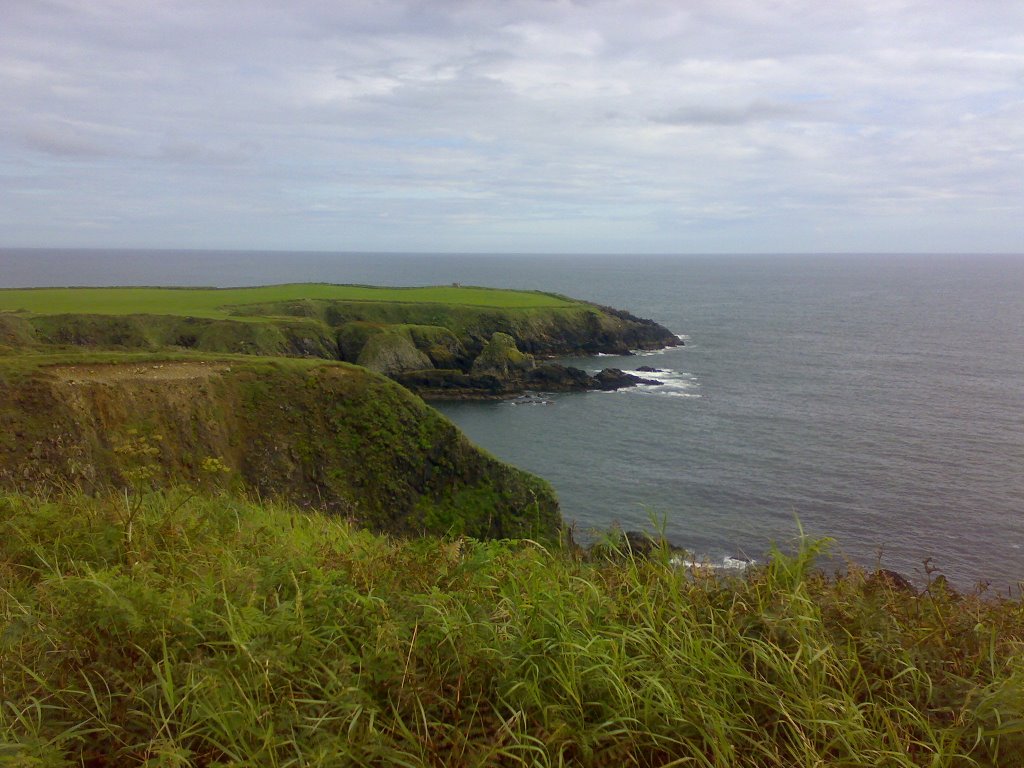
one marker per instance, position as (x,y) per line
(311,319)
(220,302)
(176,629)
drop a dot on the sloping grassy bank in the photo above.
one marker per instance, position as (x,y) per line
(326,435)
(170,629)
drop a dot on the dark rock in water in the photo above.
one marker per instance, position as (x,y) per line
(486,384)
(640,543)
(897,582)
(639,333)
(621,544)
(453,384)
(648,369)
(531,398)
(614,378)
(555,377)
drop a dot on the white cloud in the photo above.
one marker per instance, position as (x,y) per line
(513,125)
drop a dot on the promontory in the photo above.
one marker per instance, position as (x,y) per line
(450,341)
(284,391)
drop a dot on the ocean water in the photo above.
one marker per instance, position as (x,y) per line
(878,400)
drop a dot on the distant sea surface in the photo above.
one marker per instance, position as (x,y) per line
(875,399)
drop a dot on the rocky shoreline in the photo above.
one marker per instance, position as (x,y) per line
(501,370)
(440,350)
(545,377)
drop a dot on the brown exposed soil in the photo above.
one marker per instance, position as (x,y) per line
(167,371)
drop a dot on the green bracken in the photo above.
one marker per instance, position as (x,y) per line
(233,633)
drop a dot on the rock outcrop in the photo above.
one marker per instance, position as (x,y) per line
(392,352)
(501,358)
(613,378)
(544,377)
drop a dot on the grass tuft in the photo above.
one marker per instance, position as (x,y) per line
(226,632)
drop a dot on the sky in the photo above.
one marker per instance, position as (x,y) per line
(668,126)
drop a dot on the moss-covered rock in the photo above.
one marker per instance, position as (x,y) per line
(440,344)
(391,352)
(501,357)
(542,324)
(352,337)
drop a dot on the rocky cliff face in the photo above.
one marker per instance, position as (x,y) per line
(392,352)
(340,329)
(501,357)
(465,331)
(496,368)
(325,435)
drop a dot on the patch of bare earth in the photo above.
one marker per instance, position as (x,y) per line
(168,371)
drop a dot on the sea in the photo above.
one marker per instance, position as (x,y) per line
(876,400)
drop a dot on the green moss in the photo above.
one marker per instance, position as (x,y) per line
(352,337)
(482,511)
(501,357)
(440,345)
(392,351)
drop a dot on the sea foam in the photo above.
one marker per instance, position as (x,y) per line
(673,383)
(726,563)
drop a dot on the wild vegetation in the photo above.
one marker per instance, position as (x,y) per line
(176,628)
(197,568)
(327,435)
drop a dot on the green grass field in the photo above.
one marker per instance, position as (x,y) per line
(218,302)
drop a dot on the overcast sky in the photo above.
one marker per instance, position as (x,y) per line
(513,125)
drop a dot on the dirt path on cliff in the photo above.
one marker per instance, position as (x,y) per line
(165,371)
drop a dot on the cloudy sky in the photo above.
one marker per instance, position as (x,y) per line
(513,125)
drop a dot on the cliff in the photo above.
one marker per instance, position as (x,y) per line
(325,435)
(424,334)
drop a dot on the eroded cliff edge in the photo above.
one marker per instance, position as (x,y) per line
(325,435)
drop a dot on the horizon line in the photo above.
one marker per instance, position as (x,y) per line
(167,249)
